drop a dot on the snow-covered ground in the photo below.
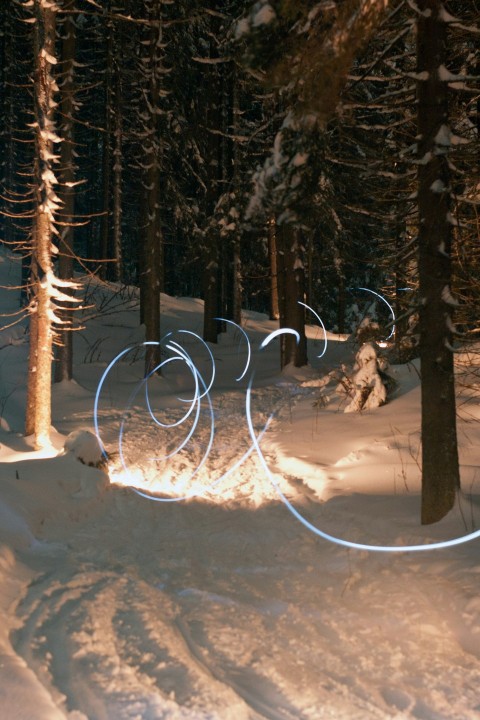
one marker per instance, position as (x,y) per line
(225,606)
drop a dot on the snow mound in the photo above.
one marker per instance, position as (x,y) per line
(84,446)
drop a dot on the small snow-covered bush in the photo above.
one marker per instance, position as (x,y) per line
(84,445)
(364,386)
(369,384)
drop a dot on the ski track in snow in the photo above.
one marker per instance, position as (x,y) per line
(207,612)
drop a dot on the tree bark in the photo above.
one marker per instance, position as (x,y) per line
(105,270)
(153,256)
(292,314)
(402,300)
(215,162)
(117,166)
(46,203)
(210,290)
(32,361)
(237,282)
(440,470)
(272,255)
(64,353)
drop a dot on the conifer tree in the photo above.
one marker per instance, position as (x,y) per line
(46,287)
(440,469)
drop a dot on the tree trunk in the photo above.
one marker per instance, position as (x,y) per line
(7,161)
(105,244)
(237,282)
(215,162)
(153,256)
(440,471)
(272,255)
(64,353)
(402,300)
(152,270)
(292,314)
(280,264)
(32,360)
(117,168)
(210,290)
(341,297)
(46,204)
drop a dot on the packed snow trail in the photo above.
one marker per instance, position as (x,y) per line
(201,612)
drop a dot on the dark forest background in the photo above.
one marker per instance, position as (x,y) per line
(186,130)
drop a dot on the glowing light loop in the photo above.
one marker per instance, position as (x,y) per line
(202,391)
(179,355)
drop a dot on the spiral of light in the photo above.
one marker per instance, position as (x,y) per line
(202,393)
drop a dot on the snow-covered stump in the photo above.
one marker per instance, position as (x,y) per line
(369,387)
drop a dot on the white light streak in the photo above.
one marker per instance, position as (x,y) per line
(386,303)
(323,327)
(202,391)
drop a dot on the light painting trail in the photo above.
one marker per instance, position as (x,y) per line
(317,531)
(202,392)
(322,325)
(249,347)
(392,333)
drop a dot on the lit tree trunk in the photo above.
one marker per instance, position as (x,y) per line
(440,471)
(46,204)
(32,360)
(64,354)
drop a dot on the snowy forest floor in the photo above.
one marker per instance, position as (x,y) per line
(224,606)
